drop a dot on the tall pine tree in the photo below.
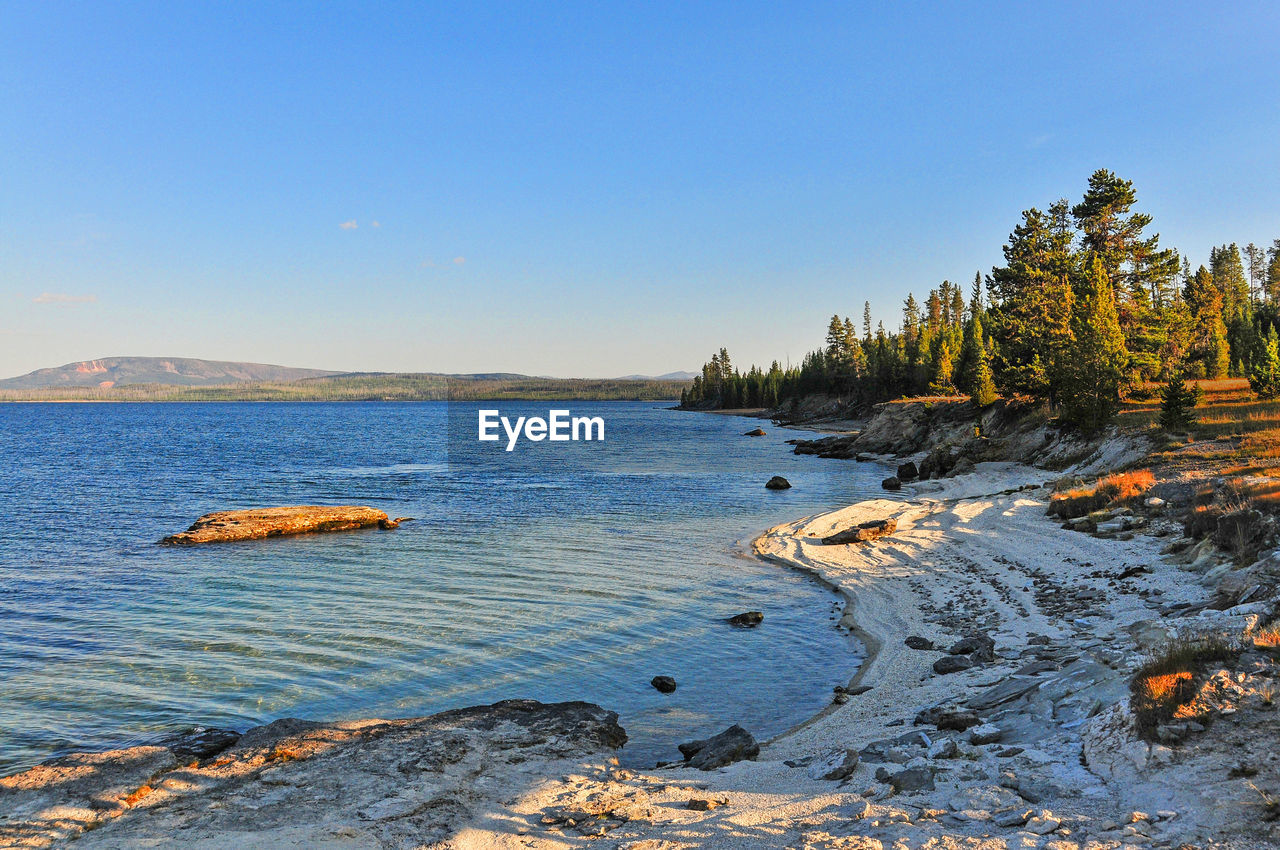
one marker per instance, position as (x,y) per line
(1094,370)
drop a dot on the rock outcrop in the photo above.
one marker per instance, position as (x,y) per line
(733,744)
(294,783)
(863,532)
(258,523)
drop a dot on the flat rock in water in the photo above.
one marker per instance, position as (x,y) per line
(863,532)
(755,432)
(258,523)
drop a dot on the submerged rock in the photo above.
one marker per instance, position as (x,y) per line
(731,745)
(777,482)
(664,684)
(258,523)
(747,619)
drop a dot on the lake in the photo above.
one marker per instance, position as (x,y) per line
(557,571)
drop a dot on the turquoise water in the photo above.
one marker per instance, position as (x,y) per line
(557,571)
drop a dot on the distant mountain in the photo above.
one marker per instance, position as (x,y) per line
(174,371)
(670,376)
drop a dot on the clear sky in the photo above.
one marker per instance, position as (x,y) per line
(582,189)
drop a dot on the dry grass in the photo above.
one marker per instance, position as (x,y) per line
(283,754)
(1268,637)
(132,799)
(1081,500)
(1164,688)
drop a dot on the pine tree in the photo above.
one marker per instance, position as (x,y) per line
(1031,304)
(1140,271)
(1177,403)
(943,366)
(1208,346)
(1257,260)
(1264,376)
(1097,358)
(1273,272)
(975,363)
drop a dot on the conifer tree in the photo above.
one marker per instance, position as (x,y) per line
(975,368)
(1032,296)
(1177,403)
(1208,346)
(1094,368)
(1264,376)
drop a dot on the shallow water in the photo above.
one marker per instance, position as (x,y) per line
(557,571)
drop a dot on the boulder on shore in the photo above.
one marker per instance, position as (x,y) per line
(908,471)
(863,532)
(733,744)
(777,482)
(755,432)
(258,523)
(891,483)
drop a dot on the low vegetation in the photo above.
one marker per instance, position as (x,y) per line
(1110,491)
(1164,689)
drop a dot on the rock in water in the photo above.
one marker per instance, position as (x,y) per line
(733,744)
(863,532)
(747,619)
(258,523)
(755,432)
(664,684)
(908,471)
(891,483)
(777,482)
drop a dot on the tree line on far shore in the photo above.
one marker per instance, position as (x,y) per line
(1086,305)
(374,387)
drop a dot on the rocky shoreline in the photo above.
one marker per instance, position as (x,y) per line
(993,710)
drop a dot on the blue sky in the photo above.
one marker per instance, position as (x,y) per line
(582,189)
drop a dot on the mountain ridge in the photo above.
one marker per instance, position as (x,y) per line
(107,372)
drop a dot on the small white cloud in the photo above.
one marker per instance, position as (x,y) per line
(375,223)
(349,225)
(63,298)
(457,261)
